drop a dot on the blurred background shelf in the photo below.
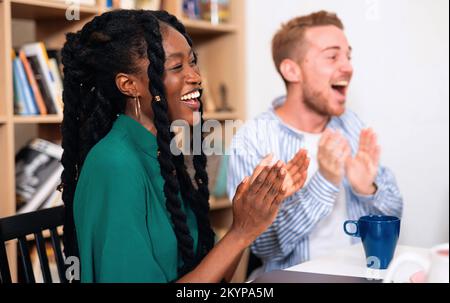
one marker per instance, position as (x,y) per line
(2,119)
(219,203)
(221,116)
(47,119)
(199,27)
(42,9)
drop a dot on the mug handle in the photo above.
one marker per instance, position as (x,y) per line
(398,262)
(356,233)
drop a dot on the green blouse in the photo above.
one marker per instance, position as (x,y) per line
(124,230)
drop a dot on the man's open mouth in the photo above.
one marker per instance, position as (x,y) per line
(340,87)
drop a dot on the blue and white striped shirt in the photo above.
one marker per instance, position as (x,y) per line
(286,242)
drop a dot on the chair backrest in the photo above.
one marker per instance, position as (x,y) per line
(18,227)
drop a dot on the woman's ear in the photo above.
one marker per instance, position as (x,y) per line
(290,71)
(126,85)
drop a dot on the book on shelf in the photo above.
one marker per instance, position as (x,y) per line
(213,11)
(132,4)
(40,91)
(38,173)
(122,4)
(191,9)
(37,56)
(24,103)
(54,68)
(56,54)
(39,101)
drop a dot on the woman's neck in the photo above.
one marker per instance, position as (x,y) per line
(144,120)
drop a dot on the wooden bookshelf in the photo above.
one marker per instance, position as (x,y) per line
(47,119)
(200,27)
(222,58)
(44,9)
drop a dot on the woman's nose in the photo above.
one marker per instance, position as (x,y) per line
(193,76)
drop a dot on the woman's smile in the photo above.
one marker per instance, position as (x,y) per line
(191,99)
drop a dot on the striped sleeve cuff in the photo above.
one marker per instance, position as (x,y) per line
(366,198)
(322,189)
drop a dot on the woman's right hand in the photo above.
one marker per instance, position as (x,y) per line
(257,199)
(255,207)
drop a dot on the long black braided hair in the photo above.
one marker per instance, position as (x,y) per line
(109,44)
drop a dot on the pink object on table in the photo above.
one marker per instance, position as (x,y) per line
(418,277)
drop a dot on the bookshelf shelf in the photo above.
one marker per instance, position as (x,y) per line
(2,120)
(48,119)
(221,116)
(44,9)
(199,27)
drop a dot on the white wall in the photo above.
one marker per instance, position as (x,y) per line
(400,87)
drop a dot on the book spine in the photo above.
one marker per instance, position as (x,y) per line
(20,107)
(56,99)
(40,79)
(28,96)
(58,81)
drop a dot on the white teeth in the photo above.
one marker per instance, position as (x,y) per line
(341,83)
(190,96)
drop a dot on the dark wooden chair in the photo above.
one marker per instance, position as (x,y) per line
(18,227)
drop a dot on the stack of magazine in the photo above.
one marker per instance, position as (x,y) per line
(38,173)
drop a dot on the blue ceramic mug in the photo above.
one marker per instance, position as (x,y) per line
(379,235)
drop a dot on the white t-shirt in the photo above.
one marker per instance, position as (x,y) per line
(328,234)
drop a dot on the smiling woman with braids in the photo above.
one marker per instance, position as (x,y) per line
(132,212)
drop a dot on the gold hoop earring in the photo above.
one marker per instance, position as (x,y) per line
(137,107)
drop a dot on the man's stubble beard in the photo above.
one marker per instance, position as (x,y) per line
(316,102)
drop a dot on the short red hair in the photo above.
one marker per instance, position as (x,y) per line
(290,38)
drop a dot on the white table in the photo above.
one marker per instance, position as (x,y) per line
(351,261)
